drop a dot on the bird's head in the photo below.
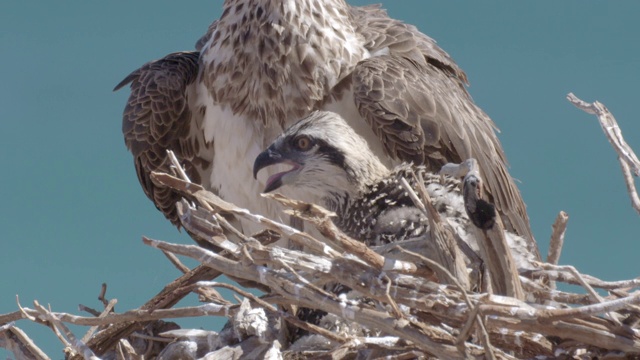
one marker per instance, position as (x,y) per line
(328,159)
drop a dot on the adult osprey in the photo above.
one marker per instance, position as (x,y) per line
(265,63)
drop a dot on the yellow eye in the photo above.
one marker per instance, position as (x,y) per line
(303,143)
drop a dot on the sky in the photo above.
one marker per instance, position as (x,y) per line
(73,213)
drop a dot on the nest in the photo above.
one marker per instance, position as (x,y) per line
(403,304)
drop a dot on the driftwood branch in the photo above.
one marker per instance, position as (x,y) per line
(557,238)
(626,156)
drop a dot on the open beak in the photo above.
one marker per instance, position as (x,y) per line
(272,157)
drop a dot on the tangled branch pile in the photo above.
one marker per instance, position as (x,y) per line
(403,305)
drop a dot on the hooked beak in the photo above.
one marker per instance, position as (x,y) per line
(272,157)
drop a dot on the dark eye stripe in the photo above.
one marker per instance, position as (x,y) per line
(334,155)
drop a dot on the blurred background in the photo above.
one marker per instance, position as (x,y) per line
(73,213)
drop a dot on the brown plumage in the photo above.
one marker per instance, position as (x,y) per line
(158,117)
(266,63)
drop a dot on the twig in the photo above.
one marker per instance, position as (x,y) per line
(590,291)
(631,187)
(176,262)
(177,166)
(151,338)
(442,247)
(103,295)
(556,272)
(557,238)
(24,342)
(77,345)
(105,312)
(627,157)
(89,310)
(141,315)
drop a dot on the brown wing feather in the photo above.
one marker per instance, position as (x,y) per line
(157,117)
(415,100)
(380,32)
(422,114)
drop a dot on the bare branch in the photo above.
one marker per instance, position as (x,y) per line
(557,238)
(627,157)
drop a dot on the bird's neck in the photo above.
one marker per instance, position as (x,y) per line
(363,171)
(278,59)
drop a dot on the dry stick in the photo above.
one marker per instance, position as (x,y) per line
(176,262)
(542,293)
(493,306)
(394,306)
(587,281)
(631,187)
(557,240)
(78,346)
(103,295)
(591,292)
(143,315)
(545,316)
(24,311)
(177,166)
(203,202)
(442,246)
(227,226)
(584,334)
(555,272)
(89,310)
(105,313)
(287,267)
(25,341)
(306,282)
(628,159)
(594,309)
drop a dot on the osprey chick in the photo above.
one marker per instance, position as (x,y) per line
(330,161)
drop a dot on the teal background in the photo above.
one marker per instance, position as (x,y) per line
(73,213)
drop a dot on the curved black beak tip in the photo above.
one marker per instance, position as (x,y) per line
(266,158)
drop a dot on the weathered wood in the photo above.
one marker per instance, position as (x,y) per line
(402,304)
